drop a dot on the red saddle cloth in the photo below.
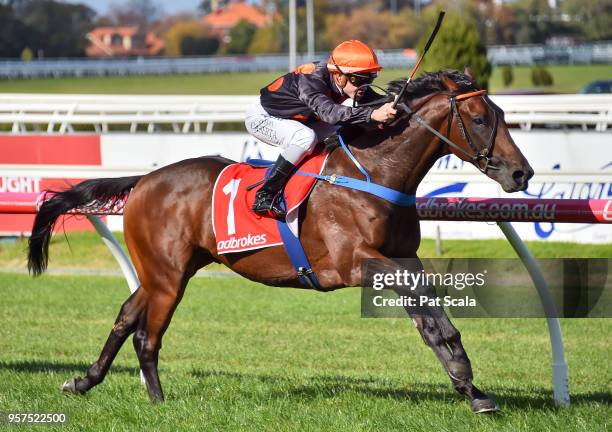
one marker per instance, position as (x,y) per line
(237,228)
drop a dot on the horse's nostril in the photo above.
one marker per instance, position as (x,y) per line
(518,175)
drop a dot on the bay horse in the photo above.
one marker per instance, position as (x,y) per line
(169,233)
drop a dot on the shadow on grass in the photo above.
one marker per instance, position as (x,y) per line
(38,366)
(333,385)
(316,386)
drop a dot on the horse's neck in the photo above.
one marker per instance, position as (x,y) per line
(400,157)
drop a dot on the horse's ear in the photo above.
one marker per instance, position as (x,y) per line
(468,72)
(449,83)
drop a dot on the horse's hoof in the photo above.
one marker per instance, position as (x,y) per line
(70,387)
(484,405)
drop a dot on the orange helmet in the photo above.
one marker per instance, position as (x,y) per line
(353,56)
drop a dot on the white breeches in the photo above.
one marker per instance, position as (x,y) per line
(294,137)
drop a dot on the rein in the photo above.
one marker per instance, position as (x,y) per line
(453,111)
(400,198)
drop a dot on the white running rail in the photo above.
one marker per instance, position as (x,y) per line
(59,114)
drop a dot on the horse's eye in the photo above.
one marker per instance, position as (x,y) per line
(479,121)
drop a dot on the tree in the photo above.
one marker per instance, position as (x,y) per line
(496,22)
(367,24)
(208,6)
(536,22)
(178,32)
(14,34)
(507,75)
(541,77)
(140,13)
(27,54)
(278,11)
(346,6)
(56,29)
(457,45)
(199,45)
(591,17)
(240,38)
(503,25)
(378,28)
(404,29)
(267,40)
(320,13)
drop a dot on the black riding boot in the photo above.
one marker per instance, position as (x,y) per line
(267,198)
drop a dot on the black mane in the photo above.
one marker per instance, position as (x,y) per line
(431,83)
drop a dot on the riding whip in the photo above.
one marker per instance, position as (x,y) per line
(418,63)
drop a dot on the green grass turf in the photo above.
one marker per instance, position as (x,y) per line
(86,250)
(240,356)
(568,79)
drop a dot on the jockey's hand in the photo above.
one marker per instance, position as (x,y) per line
(384,114)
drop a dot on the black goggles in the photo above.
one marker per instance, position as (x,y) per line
(359,79)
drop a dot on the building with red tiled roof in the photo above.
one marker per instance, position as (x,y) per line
(122,42)
(221,20)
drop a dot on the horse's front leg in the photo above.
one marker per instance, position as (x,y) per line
(444,339)
(437,332)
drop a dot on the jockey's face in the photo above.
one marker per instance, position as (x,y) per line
(347,87)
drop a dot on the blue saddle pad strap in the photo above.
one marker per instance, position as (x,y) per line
(292,244)
(388,194)
(259,163)
(298,257)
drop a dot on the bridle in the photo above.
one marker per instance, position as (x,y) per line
(453,111)
(479,155)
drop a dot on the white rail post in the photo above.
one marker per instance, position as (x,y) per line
(122,259)
(560,373)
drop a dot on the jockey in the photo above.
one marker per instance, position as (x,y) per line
(304,106)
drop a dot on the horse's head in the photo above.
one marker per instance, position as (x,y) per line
(478,128)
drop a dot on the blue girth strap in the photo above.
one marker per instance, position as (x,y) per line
(292,243)
(298,257)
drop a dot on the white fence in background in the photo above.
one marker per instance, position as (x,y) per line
(101,113)
(586,111)
(59,114)
(82,67)
(527,55)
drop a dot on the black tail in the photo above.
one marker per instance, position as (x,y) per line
(90,195)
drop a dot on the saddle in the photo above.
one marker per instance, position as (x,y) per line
(237,228)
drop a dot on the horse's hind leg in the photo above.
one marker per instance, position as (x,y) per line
(125,324)
(164,282)
(165,296)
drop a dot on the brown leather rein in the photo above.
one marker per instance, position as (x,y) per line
(453,111)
